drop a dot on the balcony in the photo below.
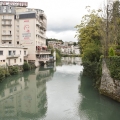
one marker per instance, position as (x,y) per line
(6,19)
(38,24)
(43,52)
(41,35)
(6,39)
(7,24)
(13,56)
(6,34)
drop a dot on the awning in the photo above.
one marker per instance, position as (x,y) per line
(44,46)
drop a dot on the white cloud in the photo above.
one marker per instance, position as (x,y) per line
(63,15)
(65,35)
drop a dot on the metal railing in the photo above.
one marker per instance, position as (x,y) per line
(13,56)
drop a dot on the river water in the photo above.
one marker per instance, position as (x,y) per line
(58,91)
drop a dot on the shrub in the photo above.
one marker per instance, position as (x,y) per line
(113,64)
(111,52)
(26,66)
(2,74)
(13,70)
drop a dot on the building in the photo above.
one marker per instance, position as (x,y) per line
(12,55)
(26,27)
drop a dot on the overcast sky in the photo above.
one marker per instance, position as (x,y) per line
(63,15)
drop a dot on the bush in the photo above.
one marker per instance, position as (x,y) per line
(26,66)
(111,52)
(91,61)
(91,53)
(2,74)
(13,70)
(113,64)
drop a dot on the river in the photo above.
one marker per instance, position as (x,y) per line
(58,91)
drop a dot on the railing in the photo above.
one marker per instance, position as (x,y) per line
(43,52)
(8,24)
(6,34)
(6,38)
(13,56)
(43,59)
(7,19)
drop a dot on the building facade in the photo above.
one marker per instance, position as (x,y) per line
(25,27)
(10,56)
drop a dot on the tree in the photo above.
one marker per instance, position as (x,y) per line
(89,30)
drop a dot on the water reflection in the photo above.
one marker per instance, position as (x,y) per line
(24,96)
(94,106)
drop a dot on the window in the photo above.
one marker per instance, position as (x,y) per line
(14,60)
(17,42)
(14,52)
(24,52)
(10,32)
(3,60)
(1,52)
(9,42)
(20,60)
(20,52)
(4,9)
(9,52)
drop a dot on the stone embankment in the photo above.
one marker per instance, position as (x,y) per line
(108,86)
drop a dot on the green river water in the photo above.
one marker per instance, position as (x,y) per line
(55,92)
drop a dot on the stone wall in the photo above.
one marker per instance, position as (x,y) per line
(108,86)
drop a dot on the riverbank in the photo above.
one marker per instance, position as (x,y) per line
(14,70)
(108,86)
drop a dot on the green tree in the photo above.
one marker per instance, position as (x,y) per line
(26,66)
(111,52)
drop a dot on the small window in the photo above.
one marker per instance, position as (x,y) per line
(20,60)
(14,52)
(17,42)
(14,60)
(1,52)
(3,60)
(24,52)
(9,52)
(9,42)
(20,52)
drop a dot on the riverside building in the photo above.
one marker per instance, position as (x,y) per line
(24,27)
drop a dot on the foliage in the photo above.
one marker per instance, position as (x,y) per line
(111,52)
(91,61)
(92,53)
(2,74)
(89,36)
(26,66)
(13,70)
(88,31)
(58,54)
(113,63)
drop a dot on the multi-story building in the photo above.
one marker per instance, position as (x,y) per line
(12,55)
(22,26)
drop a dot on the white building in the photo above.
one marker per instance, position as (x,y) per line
(12,55)
(22,26)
